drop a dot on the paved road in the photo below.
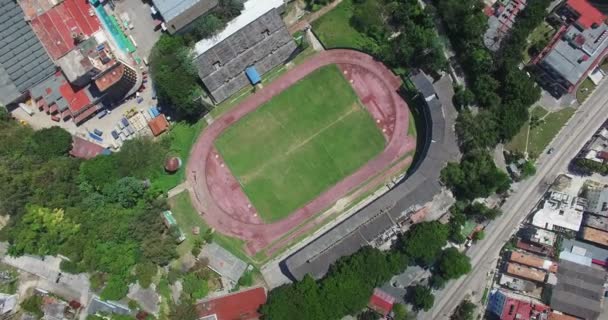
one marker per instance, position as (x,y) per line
(579,129)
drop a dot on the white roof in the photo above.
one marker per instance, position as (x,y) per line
(252,11)
(576,258)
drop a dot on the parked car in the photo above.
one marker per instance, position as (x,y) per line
(98,132)
(55,118)
(550,151)
(102,113)
(115,134)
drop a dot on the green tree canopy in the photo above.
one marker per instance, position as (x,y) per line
(422,298)
(424,241)
(453,264)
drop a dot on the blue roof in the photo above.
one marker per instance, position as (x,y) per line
(253,75)
(154,112)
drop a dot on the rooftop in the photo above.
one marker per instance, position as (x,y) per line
(179,13)
(224,262)
(158,125)
(381,302)
(598,199)
(85,149)
(559,210)
(589,15)
(596,236)
(252,11)
(110,77)
(23,61)
(501,18)
(516,283)
(540,236)
(596,222)
(98,306)
(525,272)
(536,248)
(598,255)
(241,305)
(579,290)
(58,27)
(533,261)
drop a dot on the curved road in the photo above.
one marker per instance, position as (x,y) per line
(581,127)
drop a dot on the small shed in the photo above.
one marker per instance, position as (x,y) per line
(159,125)
(253,75)
(172,164)
(381,302)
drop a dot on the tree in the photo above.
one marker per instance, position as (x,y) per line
(463,97)
(42,231)
(453,264)
(207,25)
(479,235)
(51,142)
(145,272)
(476,131)
(368,315)
(126,192)
(528,169)
(480,212)
(424,241)
(464,311)
(116,288)
(422,298)
(401,312)
(437,282)
(195,286)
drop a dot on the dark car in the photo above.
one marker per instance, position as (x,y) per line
(98,132)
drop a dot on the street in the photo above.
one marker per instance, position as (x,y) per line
(587,119)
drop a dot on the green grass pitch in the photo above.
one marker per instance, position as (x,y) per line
(300,143)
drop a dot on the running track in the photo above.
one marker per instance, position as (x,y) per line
(215,192)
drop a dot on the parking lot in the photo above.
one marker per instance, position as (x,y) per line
(143,25)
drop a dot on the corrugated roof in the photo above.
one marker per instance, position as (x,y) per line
(179,13)
(579,290)
(23,61)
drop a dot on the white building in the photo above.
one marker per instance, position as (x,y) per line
(560,211)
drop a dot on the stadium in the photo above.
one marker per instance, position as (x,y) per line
(300,151)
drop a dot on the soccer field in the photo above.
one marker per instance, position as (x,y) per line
(300,143)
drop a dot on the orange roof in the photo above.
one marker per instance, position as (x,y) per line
(533,261)
(110,77)
(158,125)
(596,236)
(240,305)
(76,99)
(559,316)
(525,272)
(589,14)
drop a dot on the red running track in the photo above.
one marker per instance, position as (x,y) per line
(216,193)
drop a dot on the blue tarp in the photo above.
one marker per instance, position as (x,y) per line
(154,112)
(253,75)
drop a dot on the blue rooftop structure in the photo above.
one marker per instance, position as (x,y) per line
(253,75)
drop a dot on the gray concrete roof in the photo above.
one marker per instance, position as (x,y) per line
(419,187)
(592,251)
(223,262)
(99,306)
(23,60)
(179,13)
(575,53)
(264,43)
(579,290)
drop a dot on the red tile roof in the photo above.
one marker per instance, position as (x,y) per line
(158,125)
(381,302)
(241,305)
(54,27)
(521,310)
(589,14)
(84,149)
(77,99)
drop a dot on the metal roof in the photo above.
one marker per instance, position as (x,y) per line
(179,13)
(579,290)
(23,61)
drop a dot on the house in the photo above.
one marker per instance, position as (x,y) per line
(381,302)
(524,272)
(158,125)
(257,38)
(596,236)
(541,249)
(242,305)
(98,306)
(178,14)
(516,284)
(597,201)
(596,222)
(597,255)
(576,49)
(539,236)
(223,262)
(510,307)
(532,261)
(579,291)
(560,212)
(8,302)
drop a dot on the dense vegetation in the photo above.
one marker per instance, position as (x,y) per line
(503,92)
(350,281)
(172,64)
(402,34)
(98,213)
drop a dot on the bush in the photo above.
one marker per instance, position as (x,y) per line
(116,288)
(422,298)
(33,305)
(145,272)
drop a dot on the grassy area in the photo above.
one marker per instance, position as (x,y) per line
(187,217)
(334,29)
(10,279)
(584,90)
(299,144)
(542,131)
(181,138)
(468,228)
(604,65)
(540,37)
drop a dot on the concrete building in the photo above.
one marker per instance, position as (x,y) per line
(596,222)
(595,254)
(559,211)
(579,291)
(23,61)
(223,262)
(510,307)
(596,236)
(597,201)
(256,39)
(532,261)
(178,14)
(516,284)
(539,236)
(501,18)
(575,51)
